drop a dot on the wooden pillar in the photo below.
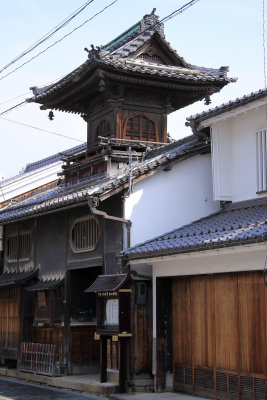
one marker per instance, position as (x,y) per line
(164,331)
(67,333)
(103,359)
(122,364)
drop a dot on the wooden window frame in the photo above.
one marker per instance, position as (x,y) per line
(141,116)
(261,155)
(81,231)
(22,246)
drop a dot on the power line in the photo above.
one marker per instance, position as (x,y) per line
(48,35)
(13,108)
(14,98)
(42,130)
(179,10)
(165,19)
(53,44)
(24,94)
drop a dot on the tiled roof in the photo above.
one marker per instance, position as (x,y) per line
(143,67)
(239,223)
(54,158)
(117,54)
(80,192)
(231,105)
(47,283)
(17,277)
(108,283)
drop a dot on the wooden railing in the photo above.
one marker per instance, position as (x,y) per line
(39,358)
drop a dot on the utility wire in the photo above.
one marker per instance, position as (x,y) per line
(179,10)
(14,98)
(53,44)
(43,130)
(13,108)
(165,19)
(48,35)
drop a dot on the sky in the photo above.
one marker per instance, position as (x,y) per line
(211,33)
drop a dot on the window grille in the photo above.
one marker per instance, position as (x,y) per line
(140,127)
(261,145)
(85,234)
(12,247)
(19,246)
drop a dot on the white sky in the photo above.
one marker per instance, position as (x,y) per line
(212,33)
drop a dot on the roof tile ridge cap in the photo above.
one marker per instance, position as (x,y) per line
(62,81)
(161,237)
(25,203)
(112,54)
(249,97)
(173,145)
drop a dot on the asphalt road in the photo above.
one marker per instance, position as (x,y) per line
(14,390)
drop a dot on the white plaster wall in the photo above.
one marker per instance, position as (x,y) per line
(234,155)
(221,165)
(29,181)
(168,200)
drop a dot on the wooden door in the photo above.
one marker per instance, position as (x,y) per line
(219,335)
(9,317)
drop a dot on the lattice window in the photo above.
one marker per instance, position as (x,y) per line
(19,246)
(103,128)
(140,127)
(261,143)
(85,234)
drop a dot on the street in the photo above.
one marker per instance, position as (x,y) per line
(14,390)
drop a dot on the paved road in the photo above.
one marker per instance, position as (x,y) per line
(14,390)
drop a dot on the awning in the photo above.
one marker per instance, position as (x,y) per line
(17,277)
(46,284)
(108,283)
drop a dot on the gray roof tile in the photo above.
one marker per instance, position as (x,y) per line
(239,223)
(80,192)
(231,105)
(115,56)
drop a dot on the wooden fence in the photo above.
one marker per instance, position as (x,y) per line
(39,358)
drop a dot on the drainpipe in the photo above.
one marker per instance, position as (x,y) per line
(93,202)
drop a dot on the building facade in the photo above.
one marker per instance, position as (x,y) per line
(209,276)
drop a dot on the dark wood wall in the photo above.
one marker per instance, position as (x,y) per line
(141,341)
(51,236)
(220,334)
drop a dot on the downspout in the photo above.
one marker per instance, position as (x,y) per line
(93,203)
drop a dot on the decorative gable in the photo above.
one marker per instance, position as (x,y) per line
(154,51)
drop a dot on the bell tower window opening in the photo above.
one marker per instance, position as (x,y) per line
(140,127)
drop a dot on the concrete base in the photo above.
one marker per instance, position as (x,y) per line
(83,383)
(141,384)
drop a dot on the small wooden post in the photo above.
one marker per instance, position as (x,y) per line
(122,364)
(103,359)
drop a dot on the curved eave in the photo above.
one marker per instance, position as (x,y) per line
(212,245)
(70,92)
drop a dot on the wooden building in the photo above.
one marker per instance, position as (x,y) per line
(209,276)
(70,235)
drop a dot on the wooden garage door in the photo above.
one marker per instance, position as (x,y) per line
(219,335)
